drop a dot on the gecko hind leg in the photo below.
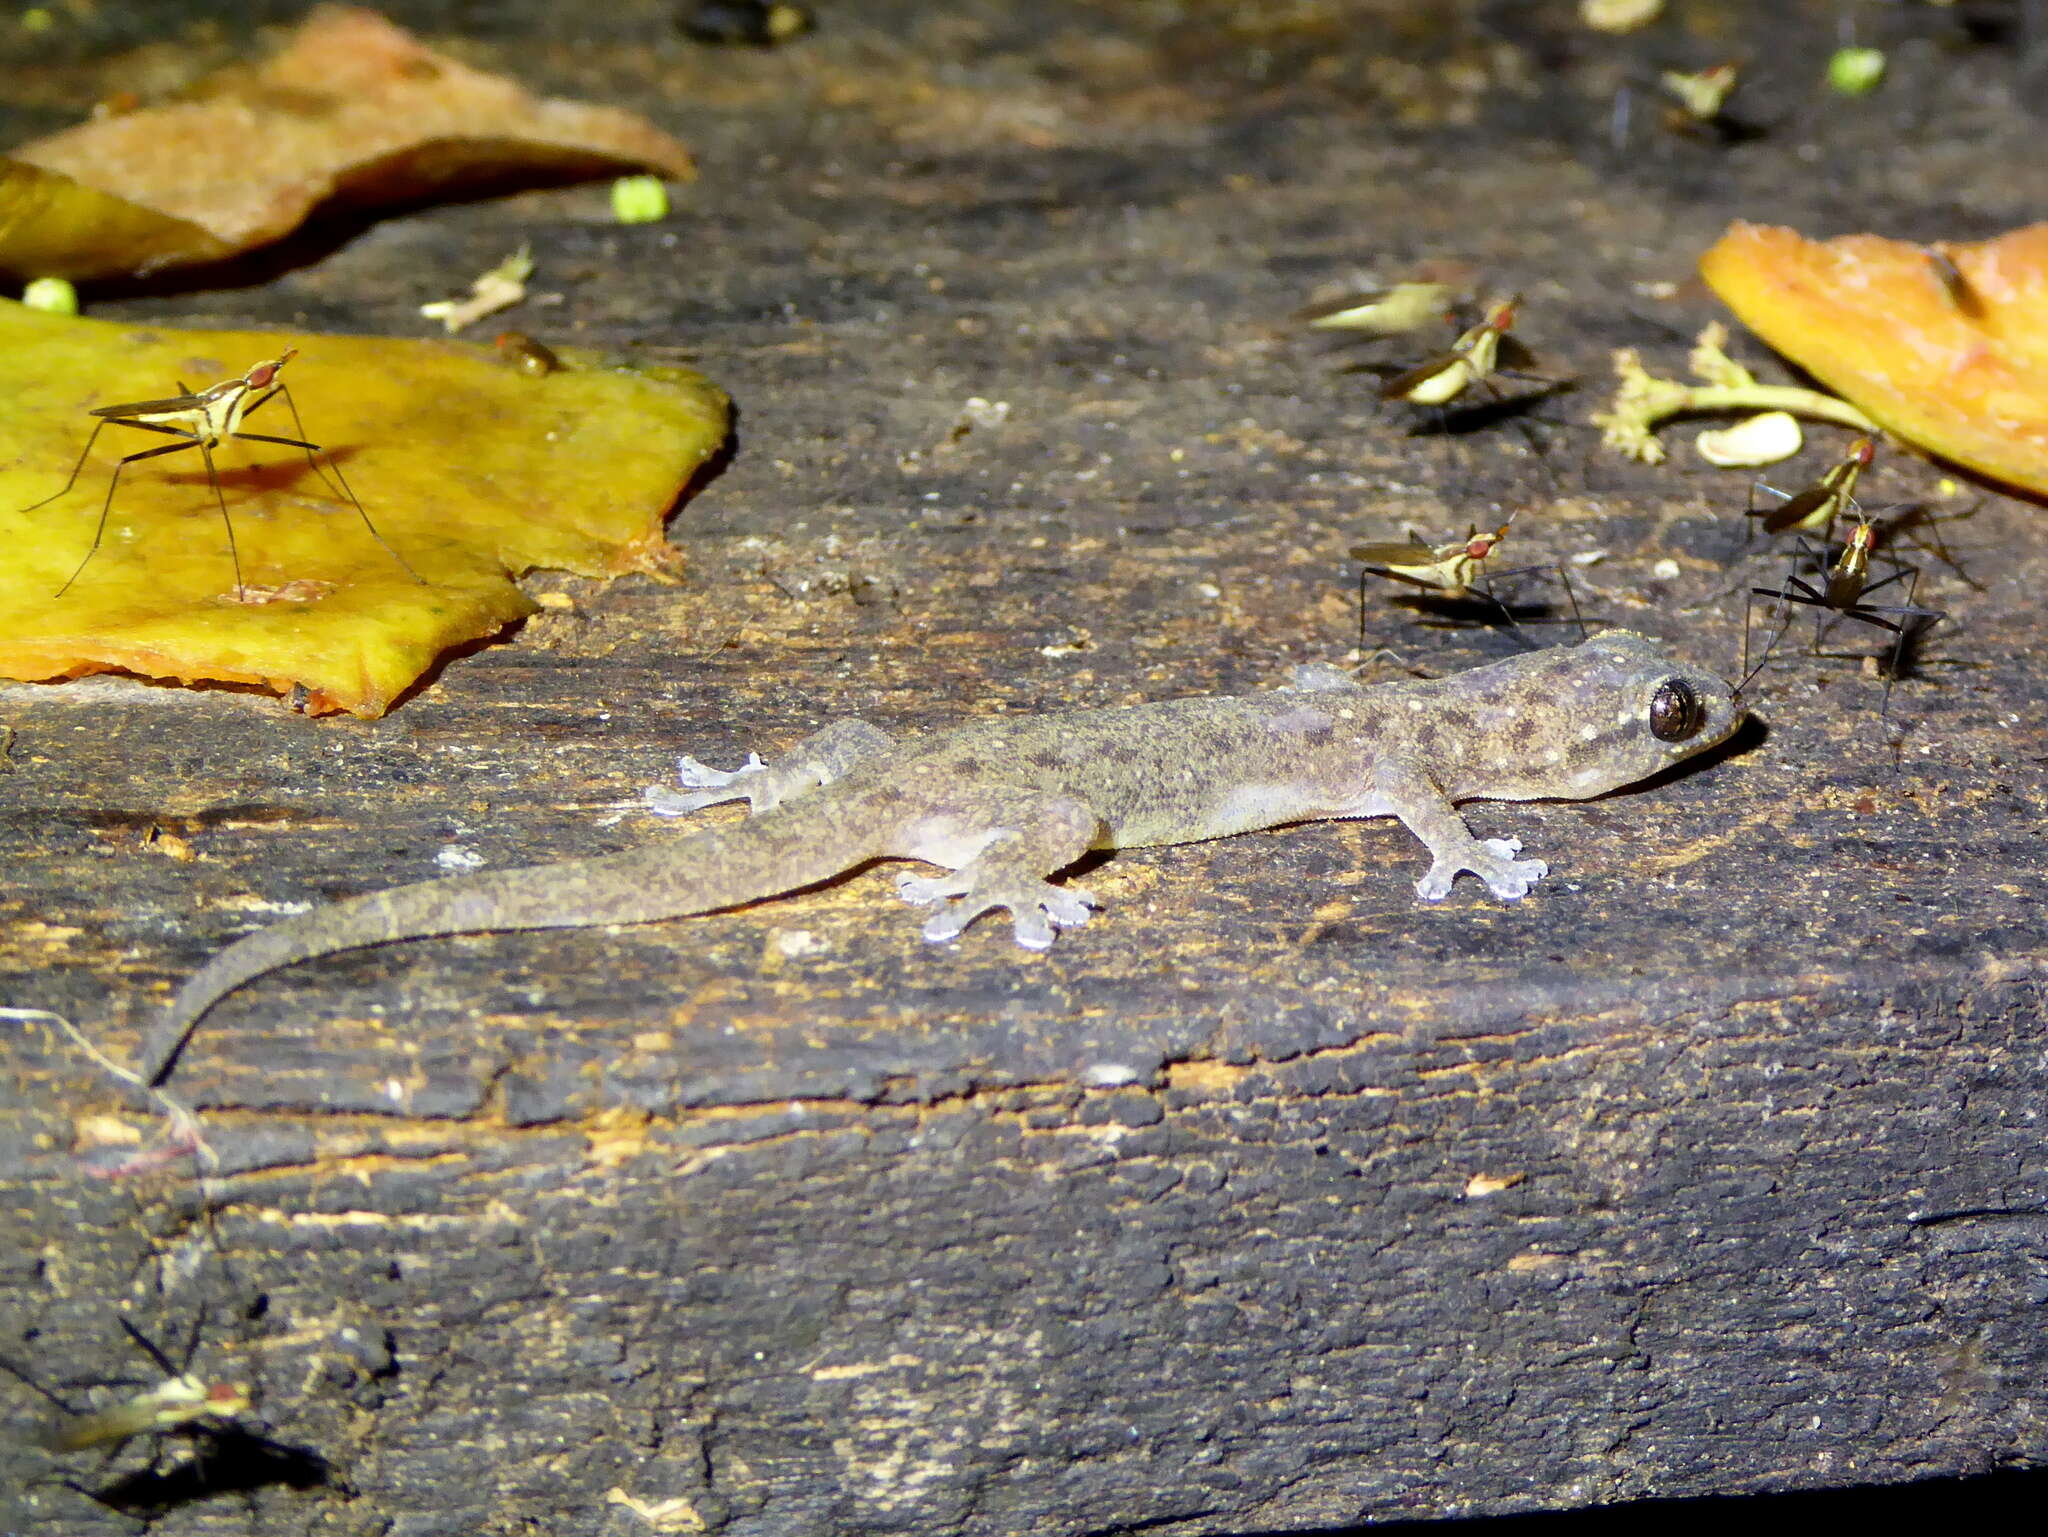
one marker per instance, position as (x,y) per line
(1034,836)
(817,760)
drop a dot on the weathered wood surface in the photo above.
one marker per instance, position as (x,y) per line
(1272,1199)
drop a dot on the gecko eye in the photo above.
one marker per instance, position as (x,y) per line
(1675,711)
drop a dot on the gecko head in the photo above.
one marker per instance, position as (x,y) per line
(1615,709)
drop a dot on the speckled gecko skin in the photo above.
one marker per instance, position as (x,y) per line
(1004,803)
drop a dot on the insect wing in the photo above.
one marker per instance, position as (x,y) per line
(1442,378)
(154,410)
(1383,311)
(1412,556)
(1809,509)
(177,1401)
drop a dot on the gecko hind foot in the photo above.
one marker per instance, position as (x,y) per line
(707,786)
(1493,861)
(1038,910)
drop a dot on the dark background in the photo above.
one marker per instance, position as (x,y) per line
(1274,1199)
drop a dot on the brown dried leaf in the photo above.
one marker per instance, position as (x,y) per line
(353,110)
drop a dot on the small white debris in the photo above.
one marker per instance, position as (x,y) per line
(1769,438)
(459,856)
(1479,1186)
(1109,1075)
(1666,570)
(1589,557)
(499,289)
(792,943)
(1081,642)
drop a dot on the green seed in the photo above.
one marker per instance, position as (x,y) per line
(1855,71)
(639,200)
(52,294)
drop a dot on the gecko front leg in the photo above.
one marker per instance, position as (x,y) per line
(817,760)
(1412,796)
(1003,843)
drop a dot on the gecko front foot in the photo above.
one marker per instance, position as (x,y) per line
(1493,861)
(1038,910)
(707,786)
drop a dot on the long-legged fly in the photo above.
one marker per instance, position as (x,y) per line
(1814,509)
(1841,589)
(232,1453)
(1695,106)
(1953,283)
(180,1401)
(201,419)
(1455,571)
(1448,570)
(1470,360)
(1473,360)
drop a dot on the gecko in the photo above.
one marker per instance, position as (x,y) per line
(1005,803)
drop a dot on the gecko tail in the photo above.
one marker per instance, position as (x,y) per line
(716,868)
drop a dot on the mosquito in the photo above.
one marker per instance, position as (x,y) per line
(201,419)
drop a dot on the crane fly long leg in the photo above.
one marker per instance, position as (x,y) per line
(226,522)
(281,388)
(100,528)
(84,454)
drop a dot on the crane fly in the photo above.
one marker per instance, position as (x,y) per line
(201,419)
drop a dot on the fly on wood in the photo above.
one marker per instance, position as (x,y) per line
(1455,571)
(1471,359)
(1842,588)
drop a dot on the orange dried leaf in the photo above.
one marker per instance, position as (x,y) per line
(1955,361)
(354,109)
(472,471)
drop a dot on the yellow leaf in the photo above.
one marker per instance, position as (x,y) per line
(472,471)
(1945,346)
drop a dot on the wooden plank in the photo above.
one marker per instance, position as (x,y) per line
(1273,1198)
